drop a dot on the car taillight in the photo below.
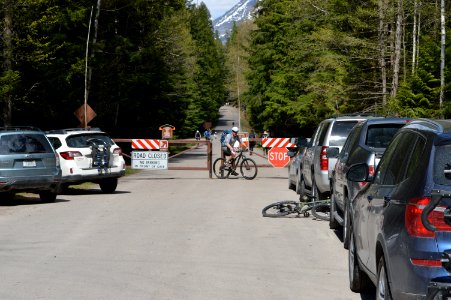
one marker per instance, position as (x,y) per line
(426,262)
(324,160)
(70,155)
(413,222)
(117,151)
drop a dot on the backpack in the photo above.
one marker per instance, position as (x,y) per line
(223,136)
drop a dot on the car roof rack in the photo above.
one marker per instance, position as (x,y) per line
(67,130)
(19,128)
(357,114)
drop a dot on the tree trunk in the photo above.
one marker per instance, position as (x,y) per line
(8,59)
(414,36)
(442,52)
(397,54)
(382,64)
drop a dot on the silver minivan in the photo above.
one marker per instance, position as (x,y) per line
(316,167)
(28,163)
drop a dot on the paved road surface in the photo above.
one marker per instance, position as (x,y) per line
(170,235)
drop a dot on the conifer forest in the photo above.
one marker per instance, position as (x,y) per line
(140,64)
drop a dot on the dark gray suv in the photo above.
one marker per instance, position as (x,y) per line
(28,163)
(365,144)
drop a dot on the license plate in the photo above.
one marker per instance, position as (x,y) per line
(29,163)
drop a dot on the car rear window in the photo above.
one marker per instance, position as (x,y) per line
(379,136)
(24,143)
(340,132)
(442,165)
(84,140)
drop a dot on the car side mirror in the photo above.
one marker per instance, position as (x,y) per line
(332,152)
(291,153)
(358,173)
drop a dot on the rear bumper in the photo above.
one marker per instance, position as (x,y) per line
(24,184)
(76,179)
(439,290)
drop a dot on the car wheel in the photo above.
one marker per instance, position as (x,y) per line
(108,185)
(333,224)
(358,280)
(346,224)
(291,186)
(315,192)
(48,196)
(302,193)
(7,197)
(383,286)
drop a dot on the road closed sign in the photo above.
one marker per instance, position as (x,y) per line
(150,160)
(278,157)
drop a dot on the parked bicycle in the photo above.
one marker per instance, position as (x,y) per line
(247,166)
(319,209)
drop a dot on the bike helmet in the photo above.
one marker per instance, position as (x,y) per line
(235,129)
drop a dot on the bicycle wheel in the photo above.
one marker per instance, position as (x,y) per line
(220,168)
(248,168)
(321,211)
(280,209)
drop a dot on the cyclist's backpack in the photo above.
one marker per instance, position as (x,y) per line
(223,136)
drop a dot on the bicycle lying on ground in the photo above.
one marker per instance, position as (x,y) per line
(320,209)
(223,168)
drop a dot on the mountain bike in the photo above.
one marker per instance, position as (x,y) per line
(247,166)
(319,209)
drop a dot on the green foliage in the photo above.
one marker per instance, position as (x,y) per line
(151,63)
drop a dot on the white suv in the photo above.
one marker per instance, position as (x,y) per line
(88,155)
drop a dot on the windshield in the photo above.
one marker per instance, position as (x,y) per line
(442,165)
(24,143)
(379,136)
(340,132)
(83,140)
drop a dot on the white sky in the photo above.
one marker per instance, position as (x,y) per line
(218,7)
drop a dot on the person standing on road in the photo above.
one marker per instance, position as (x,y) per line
(207,134)
(251,142)
(197,135)
(232,144)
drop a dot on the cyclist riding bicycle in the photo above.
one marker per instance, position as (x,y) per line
(232,144)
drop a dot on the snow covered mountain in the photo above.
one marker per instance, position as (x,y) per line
(240,12)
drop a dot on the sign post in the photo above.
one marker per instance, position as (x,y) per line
(278,157)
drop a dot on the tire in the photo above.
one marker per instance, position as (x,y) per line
(219,168)
(298,183)
(280,209)
(333,224)
(248,168)
(315,192)
(48,196)
(108,185)
(321,211)
(383,286)
(302,193)
(346,224)
(358,280)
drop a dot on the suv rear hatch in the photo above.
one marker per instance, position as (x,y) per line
(26,154)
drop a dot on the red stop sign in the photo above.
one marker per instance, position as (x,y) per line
(278,157)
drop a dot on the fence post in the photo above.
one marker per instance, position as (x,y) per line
(209,159)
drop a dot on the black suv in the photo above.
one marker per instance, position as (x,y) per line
(398,241)
(365,144)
